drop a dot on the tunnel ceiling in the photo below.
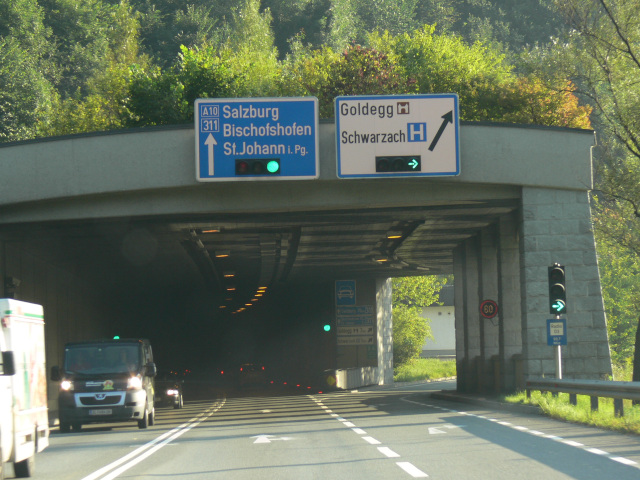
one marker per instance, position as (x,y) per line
(232,256)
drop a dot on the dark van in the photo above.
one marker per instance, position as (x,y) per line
(106,381)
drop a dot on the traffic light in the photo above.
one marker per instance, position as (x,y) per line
(258,166)
(395,163)
(557,290)
(326,327)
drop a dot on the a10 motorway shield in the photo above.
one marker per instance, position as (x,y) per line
(397,136)
(256,139)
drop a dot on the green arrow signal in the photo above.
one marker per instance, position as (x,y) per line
(413,163)
(559,306)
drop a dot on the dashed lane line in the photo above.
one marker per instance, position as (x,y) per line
(571,443)
(408,467)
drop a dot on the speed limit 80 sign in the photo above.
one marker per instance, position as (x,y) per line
(489,308)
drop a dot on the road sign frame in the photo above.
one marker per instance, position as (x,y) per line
(230,129)
(370,126)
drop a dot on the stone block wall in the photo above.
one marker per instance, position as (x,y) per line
(556,227)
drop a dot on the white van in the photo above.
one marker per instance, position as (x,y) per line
(24,422)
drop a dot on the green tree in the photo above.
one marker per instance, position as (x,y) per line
(93,91)
(620,274)
(26,91)
(166,25)
(602,53)
(410,329)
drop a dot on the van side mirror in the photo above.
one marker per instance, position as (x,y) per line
(8,364)
(55,374)
(150,369)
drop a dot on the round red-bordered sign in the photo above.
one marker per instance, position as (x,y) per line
(489,308)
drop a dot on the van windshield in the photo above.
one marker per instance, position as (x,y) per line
(99,359)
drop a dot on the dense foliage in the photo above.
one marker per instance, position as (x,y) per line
(410,329)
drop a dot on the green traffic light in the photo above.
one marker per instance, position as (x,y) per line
(116,337)
(327,327)
(273,166)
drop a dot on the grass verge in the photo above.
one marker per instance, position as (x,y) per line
(560,408)
(424,369)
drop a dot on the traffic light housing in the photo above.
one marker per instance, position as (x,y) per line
(398,163)
(557,290)
(258,166)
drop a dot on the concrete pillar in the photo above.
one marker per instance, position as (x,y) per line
(509,301)
(556,227)
(384,331)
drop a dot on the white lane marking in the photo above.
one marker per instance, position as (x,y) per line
(571,443)
(371,440)
(624,461)
(388,452)
(406,466)
(135,457)
(412,470)
(555,438)
(597,451)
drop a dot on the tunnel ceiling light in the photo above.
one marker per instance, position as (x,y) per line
(393,234)
(212,230)
(223,254)
(231,289)
(229,274)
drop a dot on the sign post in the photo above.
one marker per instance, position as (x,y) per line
(256,139)
(557,336)
(397,136)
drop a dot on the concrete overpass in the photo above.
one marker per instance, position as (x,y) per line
(112,234)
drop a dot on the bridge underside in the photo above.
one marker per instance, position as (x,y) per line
(182,262)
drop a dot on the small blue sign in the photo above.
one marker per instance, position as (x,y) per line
(345,292)
(256,139)
(556,332)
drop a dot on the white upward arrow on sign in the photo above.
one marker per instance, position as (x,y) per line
(210,142)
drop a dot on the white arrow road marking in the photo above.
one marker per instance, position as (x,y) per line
(210,142)
(269,438)
(435,431)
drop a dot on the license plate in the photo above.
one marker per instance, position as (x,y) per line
(101,411)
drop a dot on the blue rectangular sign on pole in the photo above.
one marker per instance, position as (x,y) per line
(256,139)
(556,332)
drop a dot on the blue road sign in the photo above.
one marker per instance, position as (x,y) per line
(256,139)
(556,332)
(345,292)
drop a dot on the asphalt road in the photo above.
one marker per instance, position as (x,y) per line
(375,433)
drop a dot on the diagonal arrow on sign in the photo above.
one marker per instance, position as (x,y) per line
(446,118)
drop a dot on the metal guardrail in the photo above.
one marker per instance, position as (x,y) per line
(595,389)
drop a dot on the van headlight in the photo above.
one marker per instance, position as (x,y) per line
(134,383)
(66,385)
(172,392)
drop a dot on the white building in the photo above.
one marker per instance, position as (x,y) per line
(442,320)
